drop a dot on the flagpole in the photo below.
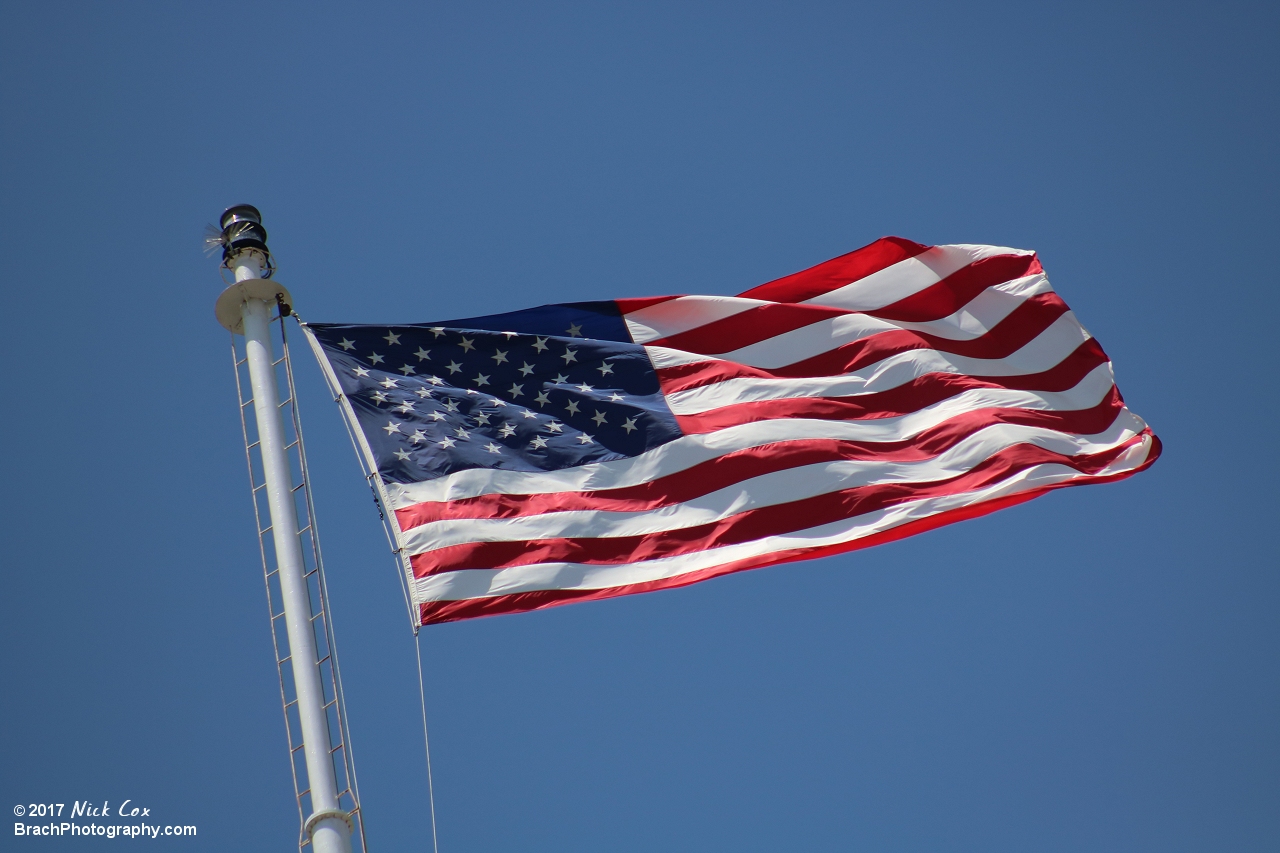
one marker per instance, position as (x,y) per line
(251,301)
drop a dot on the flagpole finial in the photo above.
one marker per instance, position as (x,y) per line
(245,254)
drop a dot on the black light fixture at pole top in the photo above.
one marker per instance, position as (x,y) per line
(242,229)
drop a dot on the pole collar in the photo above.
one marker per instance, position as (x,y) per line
(316,817)
(227,308)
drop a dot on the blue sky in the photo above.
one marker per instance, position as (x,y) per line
(1094,670)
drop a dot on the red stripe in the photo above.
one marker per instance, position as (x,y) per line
(1008,336)
(1023,325)
(959,289)
(749,327)
(754,461)
(933,303)
(434,612)
(837,272)
(909,397)
(761,459)
(695,374)
(855,406)
(752,524)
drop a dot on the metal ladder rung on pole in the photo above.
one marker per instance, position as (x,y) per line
(319,618)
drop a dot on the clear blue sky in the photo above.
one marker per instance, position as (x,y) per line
(1096,670)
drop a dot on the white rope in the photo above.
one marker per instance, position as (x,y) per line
(426,742)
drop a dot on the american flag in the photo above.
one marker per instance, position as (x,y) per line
(595,449)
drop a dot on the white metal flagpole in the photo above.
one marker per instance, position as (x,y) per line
(247,307)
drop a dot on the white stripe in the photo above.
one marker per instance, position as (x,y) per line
(488,583)
(689,450)
(972,321)
(776,487)
(908,277)
(662,357)
(985,310)
(1061,338)
(881,288)
(684,313)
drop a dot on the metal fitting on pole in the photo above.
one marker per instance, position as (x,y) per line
(246,308)
(245,253)
(244,243)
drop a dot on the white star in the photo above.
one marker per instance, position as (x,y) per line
(435,380)
(423,392)
(472,391)
(586,439)
(390,383)
(507,431)
(467,344)
(542,399)
(584,388)
(499,357)
(527,368)
(462,433)
(360,371)
(516,390)
(574,330)
(374,358)
(418,435)
(540,344)
(538,443)
(561,379)
(407,369)
(528,414)
(573,407)
(510,335)
(451,405)
(629,425)
(604,368)
(599,418)
(482,418)
(447,443)
(496,402)
(437,416)
(454,367)
(555,426)
(402,455)
(391,338)
(346,344)
(437,330)
(405,407)
(379,398)
(481,379)
(391,427)
(569,355)
(615,397)
(492,448)
(422,354)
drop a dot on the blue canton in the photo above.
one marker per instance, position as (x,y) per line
(539,390)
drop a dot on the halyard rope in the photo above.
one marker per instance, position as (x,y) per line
(426,742)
